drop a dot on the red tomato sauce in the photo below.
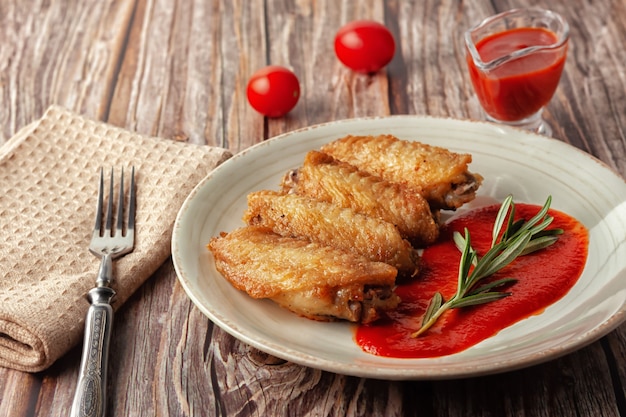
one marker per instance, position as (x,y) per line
(519,88)
(543,278)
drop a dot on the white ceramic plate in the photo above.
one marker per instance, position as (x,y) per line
(530,167)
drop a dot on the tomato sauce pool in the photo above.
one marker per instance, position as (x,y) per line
(519,88)
(543,277)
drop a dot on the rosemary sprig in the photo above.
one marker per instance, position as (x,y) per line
(520,237)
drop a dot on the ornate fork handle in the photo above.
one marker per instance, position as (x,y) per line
(91,391)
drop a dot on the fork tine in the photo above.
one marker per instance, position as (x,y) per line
(131,205)
(120,207)
(109,221)
(97,229)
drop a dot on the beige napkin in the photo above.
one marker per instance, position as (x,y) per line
(48,190)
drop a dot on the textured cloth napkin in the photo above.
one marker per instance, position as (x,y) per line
(49,175)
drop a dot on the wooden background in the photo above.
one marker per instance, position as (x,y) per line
(178,69)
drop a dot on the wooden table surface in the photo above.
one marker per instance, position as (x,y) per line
(178,69)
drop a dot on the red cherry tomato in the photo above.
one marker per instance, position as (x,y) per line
(273,91)
(364,46)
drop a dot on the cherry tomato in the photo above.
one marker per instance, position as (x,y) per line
(364,46)
(273,91)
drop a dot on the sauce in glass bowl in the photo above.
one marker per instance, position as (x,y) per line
(522,86)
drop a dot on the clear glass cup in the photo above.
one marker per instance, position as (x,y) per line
(515,60)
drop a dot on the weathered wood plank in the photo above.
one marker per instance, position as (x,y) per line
(185,69)
(58,53)
(567,386)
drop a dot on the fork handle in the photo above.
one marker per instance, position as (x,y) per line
(90,397)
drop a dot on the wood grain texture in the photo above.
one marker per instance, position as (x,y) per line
(178,70)
(185,69)
(42,65)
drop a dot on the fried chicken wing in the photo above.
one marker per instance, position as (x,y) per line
(326,179)
(312,280)
(332,225)
(441,175)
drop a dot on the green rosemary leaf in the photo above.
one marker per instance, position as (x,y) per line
(551,232)
(492,285)
(459,241)
(547,221)
(513,228)
(540,216)
(538,244)
(507,205)
(486,261)
(476,299)
(433,306)
(465,264)
(512,250)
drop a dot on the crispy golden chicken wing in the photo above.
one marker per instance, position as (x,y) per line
(326,179)
(441,175)
(332,225)
(315,281)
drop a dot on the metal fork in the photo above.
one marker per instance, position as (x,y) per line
(108,244)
